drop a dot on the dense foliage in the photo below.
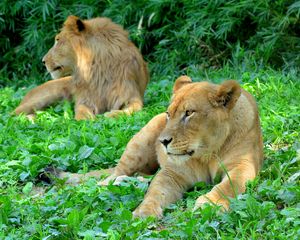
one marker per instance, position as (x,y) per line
(177,32)
(213,40)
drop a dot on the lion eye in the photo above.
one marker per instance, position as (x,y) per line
(56,40)
(168,115)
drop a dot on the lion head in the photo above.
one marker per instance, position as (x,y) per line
(104,71)
(74,47)
(198,118)
(61,59)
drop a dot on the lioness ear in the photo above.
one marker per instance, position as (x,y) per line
(74,24)
(227,95)
(180,82)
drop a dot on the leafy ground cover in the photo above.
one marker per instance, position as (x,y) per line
(268,210)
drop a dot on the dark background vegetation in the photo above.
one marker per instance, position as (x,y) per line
(180,33)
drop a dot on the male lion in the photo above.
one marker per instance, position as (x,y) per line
(208,130)
(107,71)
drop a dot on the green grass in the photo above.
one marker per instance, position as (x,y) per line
(268,210)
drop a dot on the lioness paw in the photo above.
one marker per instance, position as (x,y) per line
(146,210)
(107,180)
(30,117)
(202,200)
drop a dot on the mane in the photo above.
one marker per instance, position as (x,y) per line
(99,50)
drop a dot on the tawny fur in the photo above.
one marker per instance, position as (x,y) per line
(107,71)
(208,130)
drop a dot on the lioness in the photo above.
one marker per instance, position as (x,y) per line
(207,130)
(107,71)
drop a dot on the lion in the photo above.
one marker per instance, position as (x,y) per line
(208,130)
(93,62)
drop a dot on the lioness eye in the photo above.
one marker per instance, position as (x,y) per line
(189,113)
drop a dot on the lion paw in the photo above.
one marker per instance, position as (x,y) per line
(113,113)
(85,116)
(145,210)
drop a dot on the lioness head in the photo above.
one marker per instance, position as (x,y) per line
(198,118)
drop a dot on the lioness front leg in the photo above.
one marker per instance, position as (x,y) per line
(50,173)
(166,187)
(45,94)
(232,184)
(140,154)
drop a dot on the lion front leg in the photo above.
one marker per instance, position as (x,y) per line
(45,94)
(83,112)
(130,108)
(232,184)
(166,188)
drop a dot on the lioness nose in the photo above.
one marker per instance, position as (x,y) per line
(166,141)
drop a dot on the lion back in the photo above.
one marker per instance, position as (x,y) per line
(117,70)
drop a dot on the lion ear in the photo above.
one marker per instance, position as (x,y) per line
(180,82)
(227,95)
(74,24)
